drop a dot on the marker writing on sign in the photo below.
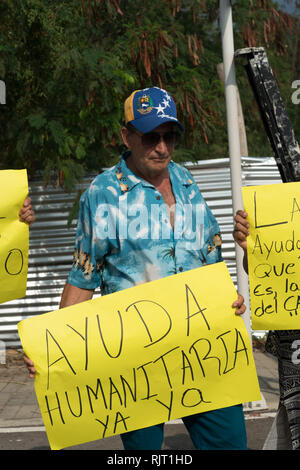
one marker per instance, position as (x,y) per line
(277,288)
(295,208)
(174,379)
(290,244)
(192,310)
(14,260)
(108,398)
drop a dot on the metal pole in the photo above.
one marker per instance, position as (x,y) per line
(234,141)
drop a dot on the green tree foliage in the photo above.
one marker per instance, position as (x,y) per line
(69,65)
(262,23)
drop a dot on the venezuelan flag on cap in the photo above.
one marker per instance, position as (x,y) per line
(148,108)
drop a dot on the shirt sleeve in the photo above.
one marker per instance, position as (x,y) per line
(213,238)
(87,258)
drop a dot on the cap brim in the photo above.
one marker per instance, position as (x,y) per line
(148,124)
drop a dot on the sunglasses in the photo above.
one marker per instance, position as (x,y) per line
(152,139)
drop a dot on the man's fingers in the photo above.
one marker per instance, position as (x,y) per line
(30,366)
(240,237)
(241,310)
(241,214)
(241,229)
(26,214)
(27,201)
(241,221)
(239,305)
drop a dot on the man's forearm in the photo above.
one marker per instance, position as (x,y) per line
(74,295)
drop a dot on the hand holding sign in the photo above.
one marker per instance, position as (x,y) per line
(26,214)
(241,229)
(14,235)
(241,232)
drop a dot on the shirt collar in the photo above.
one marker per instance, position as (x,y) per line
(128,180)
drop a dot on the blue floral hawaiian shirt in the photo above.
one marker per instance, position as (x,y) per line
(124,235)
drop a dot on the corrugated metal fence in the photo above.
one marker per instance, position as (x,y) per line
(51,241)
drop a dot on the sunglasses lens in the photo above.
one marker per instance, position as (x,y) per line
(152,138)
(171,138)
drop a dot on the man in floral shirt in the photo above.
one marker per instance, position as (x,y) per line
(142,220)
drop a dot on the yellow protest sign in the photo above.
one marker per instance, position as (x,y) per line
(273,249)
(14,235)
(145,355)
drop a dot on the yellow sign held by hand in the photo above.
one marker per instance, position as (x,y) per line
(273,249)
(14,235)
(145,355)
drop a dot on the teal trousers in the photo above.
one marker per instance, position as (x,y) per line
(222,429)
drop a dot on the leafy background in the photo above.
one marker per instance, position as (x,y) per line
(68,66)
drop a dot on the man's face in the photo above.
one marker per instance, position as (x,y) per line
(151,153)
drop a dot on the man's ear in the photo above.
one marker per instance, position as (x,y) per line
(125,134)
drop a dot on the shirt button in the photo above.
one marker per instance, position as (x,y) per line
(180,268)
(158,198)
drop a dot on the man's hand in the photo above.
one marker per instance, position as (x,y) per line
(241,229)
(239,305)
(30,366)
(26,214)
(240,234)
